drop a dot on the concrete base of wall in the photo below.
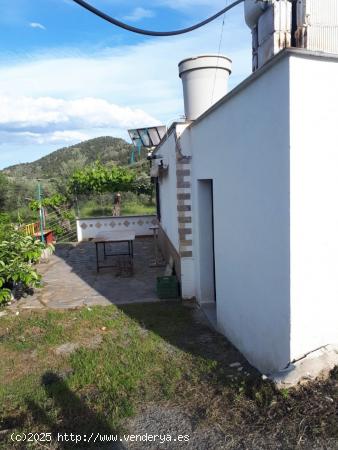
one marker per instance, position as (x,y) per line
(209,310)
(317,364)
(169,251)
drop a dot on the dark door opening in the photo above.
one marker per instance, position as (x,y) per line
(206,241)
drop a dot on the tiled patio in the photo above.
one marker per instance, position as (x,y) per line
(70,278)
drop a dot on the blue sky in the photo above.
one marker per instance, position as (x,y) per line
(66,75)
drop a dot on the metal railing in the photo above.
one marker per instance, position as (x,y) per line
(30,229)
(63,229)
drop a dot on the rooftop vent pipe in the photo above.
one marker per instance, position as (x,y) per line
(205,81)
(253,9)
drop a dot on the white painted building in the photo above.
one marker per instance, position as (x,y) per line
(248,194)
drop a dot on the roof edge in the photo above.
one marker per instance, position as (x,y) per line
(287,52)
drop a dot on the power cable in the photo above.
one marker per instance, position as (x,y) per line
(218,55)
(127,27)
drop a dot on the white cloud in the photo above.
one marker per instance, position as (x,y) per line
(139,14)
(67,137)
(143,76)
(57,137)
(47,120)
(37,25)
(27,113)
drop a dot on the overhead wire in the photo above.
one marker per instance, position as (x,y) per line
(127,27)
(218,55)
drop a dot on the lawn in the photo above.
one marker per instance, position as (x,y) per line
(90,370)
(128,208)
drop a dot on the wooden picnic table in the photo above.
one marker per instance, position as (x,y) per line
(114,237)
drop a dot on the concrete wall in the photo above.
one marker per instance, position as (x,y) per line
(168,251)
(271,149)
(243,145)
(97,226)
(314,204)
(168,195)
(175,197)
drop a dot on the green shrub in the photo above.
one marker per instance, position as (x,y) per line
(18,254)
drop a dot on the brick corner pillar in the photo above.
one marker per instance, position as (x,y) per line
(184,216)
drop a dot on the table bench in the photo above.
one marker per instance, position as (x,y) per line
(114,237)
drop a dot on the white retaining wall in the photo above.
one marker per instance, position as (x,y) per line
(95,226)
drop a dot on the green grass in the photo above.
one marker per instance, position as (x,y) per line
(100,388)
(137,208)
(129,208)
(144,354)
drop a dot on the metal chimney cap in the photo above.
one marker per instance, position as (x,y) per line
(205,81)
(210,61)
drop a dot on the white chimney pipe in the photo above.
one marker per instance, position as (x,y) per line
(205,81)
(253,9)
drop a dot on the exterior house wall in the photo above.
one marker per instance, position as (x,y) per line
(270,149)
(243,146)
(314,204)
(169,251)
(168,196)
(175,234)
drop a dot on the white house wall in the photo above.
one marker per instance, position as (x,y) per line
(168,192)
(243,146)
(314,204)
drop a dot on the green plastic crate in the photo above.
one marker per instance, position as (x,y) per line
(167,287)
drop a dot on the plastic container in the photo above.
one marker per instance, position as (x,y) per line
(167,287)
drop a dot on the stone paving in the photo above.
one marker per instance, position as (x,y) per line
(70,279)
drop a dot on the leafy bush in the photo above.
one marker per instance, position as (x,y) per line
(4,219)
(18,254)
(54,201)
(99,179)
(143,185)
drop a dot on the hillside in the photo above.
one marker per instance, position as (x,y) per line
(108,150)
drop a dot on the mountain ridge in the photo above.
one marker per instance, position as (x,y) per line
(106,149)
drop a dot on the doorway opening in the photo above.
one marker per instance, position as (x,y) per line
(206,242)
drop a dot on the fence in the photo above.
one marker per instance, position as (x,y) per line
(30,229)
(60,224)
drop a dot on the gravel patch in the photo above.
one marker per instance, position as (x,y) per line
(167,421)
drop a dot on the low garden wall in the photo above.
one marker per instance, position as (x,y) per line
(95,226)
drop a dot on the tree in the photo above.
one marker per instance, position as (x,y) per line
(142,185)
(98,179)
(4,184)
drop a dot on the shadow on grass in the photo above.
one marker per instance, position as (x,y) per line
(186,328)
(76,426)
(183,327)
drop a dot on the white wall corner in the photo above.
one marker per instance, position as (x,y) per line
(187,278)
